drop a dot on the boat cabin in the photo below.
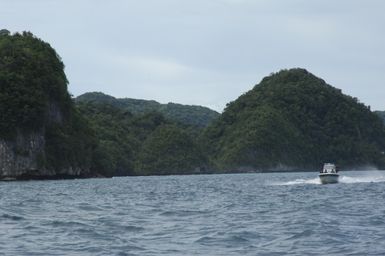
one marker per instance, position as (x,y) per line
(329,168)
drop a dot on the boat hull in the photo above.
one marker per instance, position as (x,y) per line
(328,178)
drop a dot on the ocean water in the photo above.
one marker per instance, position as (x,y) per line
(234,214)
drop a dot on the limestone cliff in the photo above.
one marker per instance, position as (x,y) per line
(20,157)
(25,158)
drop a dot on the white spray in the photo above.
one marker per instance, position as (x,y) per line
(361,177)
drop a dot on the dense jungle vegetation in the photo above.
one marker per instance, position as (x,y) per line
(141,144)
(292,119)
(190,115)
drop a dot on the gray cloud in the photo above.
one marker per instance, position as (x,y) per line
(207,52)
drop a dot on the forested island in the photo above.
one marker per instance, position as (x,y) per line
(294,120)
(291,120)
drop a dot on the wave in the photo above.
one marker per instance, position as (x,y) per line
(370,178)
(362,179)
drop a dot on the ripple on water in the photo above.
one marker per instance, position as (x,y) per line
(11,217)
(182,213)
(66,224)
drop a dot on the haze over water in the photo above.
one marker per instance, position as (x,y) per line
(235,214)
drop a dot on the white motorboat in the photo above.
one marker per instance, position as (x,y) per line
(329,174)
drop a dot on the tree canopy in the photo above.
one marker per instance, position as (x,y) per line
(185,114)
(140,144)
(294,119)
(31,77)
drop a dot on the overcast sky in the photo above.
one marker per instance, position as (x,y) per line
(208,52)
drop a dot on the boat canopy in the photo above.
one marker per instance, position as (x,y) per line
(329,168)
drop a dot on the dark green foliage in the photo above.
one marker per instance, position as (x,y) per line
(169,150)
(34,98)
(115,149)
(31,76)
(130,135)
(381,114)
(189,115)
(137,144)
(295,119)
(70,144)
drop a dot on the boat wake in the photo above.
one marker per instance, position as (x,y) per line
(362,179)
(372,178)
(298,182)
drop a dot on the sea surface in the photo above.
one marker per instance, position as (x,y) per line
(234,214)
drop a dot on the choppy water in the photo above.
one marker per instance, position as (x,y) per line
(238,214)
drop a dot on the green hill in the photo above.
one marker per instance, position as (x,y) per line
(191,115)
(292,119)
(141,144)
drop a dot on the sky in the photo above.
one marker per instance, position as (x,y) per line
(207,52)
